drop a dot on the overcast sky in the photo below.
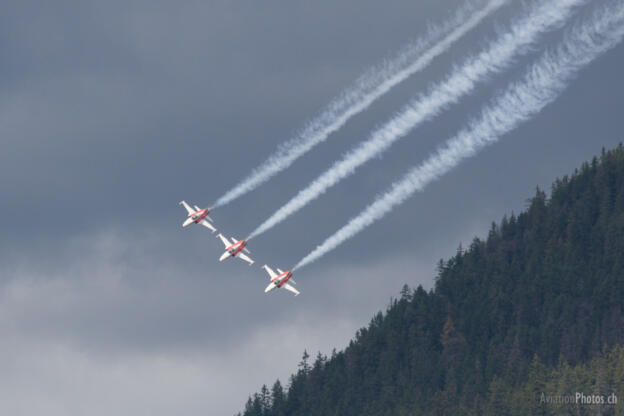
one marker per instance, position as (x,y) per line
(112,112)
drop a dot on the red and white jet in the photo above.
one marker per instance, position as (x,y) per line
(197,216)
(234,249)
(280,280)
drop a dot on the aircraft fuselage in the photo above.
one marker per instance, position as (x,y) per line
(236,248)
(196,217)
(280,280)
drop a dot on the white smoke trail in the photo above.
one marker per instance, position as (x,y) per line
(544,81)
(359,97)
(496,57)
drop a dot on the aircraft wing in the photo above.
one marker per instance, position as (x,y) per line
(187,206)
(208,225)
(291,288)
(270,271)
(225,241)
(270,287)
(244,257)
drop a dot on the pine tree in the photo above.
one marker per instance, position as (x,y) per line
(278,399)
(547,283)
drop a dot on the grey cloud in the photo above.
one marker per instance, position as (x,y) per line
(103,321)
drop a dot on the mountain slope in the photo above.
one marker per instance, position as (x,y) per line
(546,288)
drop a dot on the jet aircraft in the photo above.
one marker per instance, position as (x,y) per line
(197,216)
(234,249)
(280,280)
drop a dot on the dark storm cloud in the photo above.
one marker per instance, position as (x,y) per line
(112,112)
(184,92)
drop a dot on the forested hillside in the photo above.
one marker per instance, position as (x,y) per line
(535,308)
